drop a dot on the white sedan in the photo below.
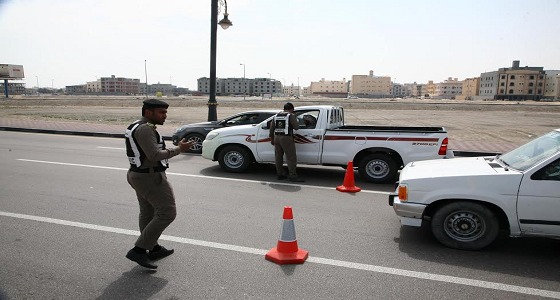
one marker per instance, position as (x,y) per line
(468,201)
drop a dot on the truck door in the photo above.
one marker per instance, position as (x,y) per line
(265,150)
(539,200)
(308,137)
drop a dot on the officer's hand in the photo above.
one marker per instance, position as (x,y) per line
(185,145)
(272,142)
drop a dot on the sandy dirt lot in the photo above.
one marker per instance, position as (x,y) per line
(483,121)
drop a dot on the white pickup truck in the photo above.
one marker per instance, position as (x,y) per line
(378,151)
(467,201)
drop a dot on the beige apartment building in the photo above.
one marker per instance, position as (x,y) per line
(371,86)
(93,86)
(552,84)
(292,90)
(449,89)
(470,89)
(515,83)
(332,88)
(429,89)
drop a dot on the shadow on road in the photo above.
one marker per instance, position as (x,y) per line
(138,283)
(523,257)
(329,177)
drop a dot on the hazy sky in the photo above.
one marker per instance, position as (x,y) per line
(63,42)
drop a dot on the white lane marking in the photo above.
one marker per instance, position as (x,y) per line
(311,259)
(110,148)
(196,176)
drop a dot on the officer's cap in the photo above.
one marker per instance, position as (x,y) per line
(154,103)
(288,106)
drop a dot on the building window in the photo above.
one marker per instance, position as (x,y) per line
(511,84)
(512,77)
(502,84)
(531,77)
(530,84)
(503,76)
(501,91)
(511,91)
(530,92)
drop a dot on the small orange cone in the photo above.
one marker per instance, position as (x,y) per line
(286,251)
(348,185)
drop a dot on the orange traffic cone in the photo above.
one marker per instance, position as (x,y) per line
(286,251)
(348,185)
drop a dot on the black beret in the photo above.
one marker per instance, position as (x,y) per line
(288,106)
(155,103)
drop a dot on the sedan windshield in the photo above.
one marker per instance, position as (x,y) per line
(531,153)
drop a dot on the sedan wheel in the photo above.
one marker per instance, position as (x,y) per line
(198,139)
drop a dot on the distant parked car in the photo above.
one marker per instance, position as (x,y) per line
(197,131)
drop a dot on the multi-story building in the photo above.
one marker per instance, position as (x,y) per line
(330,88)
(119,85)
(204,85)
(470,89)
(237,86)
(262,86)
(371,86)
(488,86)
(448,89)
(161,89)
(93,86)
(307,90)
(292,90)
(552,84)
(76,89)
(520,83)
(429,89)
(401,90)
(14,88)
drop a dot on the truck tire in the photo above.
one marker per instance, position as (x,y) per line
(378,168)
(465,225)
(198,139)
(235,159)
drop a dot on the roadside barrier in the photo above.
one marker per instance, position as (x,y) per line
(349,185)
(286,251)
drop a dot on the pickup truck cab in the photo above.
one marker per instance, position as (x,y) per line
(323,139)
(467,201)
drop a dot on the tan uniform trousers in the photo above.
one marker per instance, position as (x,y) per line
(157,205)
(284,144)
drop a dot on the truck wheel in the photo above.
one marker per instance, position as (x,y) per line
(235,159)
(465,225)
(378,168)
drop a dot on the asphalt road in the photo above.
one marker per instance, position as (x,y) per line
(67,218)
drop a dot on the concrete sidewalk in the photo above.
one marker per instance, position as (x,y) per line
(466,148)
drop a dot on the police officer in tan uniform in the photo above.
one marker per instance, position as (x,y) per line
(282,137)
(148,157)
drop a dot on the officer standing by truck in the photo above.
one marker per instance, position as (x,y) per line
(148,157)
(282,137)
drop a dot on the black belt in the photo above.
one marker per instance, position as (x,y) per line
(147,170)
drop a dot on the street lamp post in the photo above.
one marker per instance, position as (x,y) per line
(37,84)
(225,23)
(146,73)
(244,87)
